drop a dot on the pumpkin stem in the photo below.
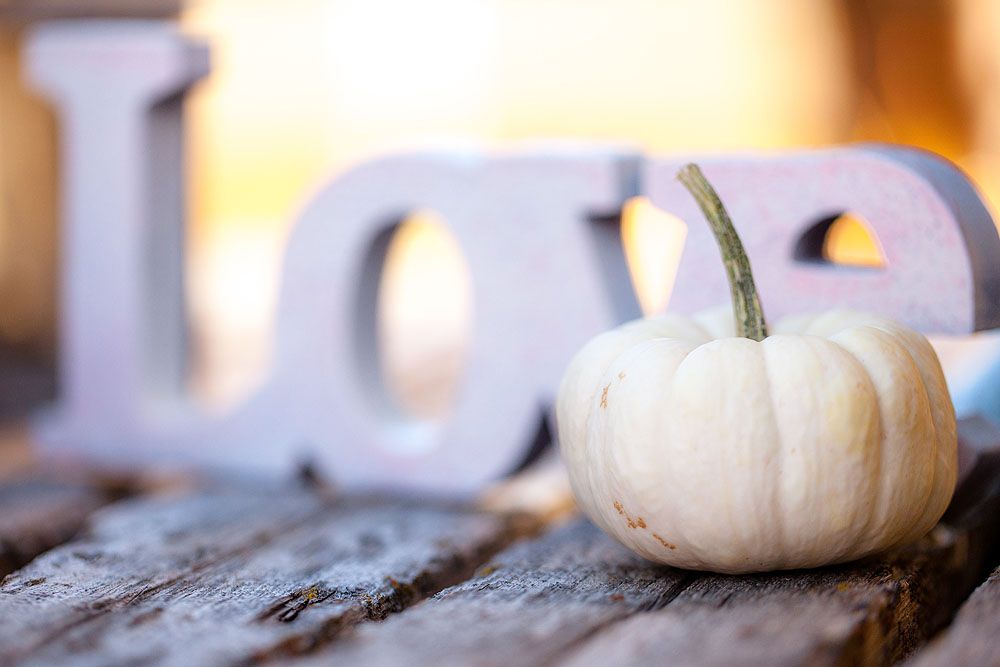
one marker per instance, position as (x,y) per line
(746,304)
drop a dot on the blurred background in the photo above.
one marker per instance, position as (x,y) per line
(302,89)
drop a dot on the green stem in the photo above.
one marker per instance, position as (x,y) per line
(746,304)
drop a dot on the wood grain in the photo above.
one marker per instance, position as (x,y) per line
(38,514)
(574,597)
(972,638)
(873,612)
(866,614)
(234,576)
(230,578)
(526,606)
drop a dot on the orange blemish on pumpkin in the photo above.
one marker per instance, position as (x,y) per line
(664,542)
(604,396)
(637,522)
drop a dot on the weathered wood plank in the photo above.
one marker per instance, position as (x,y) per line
(228,578)
(868,614)
(873,612)
(526,607)
(37,514)
(574,597)
(972,639)
(232,577)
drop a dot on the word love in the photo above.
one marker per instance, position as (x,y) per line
(536,229)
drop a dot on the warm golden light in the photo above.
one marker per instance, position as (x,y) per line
(850,241)
(303,90)
(653,241)
(300,89)
(232,288)
(424,315)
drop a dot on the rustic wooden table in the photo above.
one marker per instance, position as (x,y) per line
(224,574)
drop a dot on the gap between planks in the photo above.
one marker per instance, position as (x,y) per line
(574,598)
(232,578)
(41,511)
(879,611)
(971,637)
(303,578)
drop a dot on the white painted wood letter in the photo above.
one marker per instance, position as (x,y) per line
(117,88)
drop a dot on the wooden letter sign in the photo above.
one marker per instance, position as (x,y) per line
(537,229)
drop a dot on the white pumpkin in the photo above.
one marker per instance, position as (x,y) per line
(830,440)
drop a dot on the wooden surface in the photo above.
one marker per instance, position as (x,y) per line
(526,606)
(293,573)
(38,514)
(974,637)
(874,613)
(224,578)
